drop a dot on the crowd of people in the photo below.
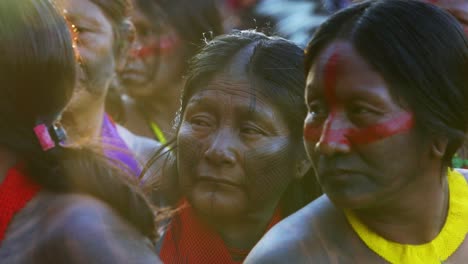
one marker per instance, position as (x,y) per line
(199,131)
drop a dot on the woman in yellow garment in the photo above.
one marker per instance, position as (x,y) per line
(387,86)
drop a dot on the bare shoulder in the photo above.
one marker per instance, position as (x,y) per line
(81,229)
(307,236)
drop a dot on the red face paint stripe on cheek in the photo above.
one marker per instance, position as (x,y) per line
(312,133)
(146,51)
(394,126)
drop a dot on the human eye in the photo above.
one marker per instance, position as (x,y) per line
(317,110)
(363,114)
(251,130)
(200,121)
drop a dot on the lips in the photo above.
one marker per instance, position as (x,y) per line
(217,180)
(339,175)
(133,76)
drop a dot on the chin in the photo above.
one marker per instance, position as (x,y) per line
(351,201)
(218,206)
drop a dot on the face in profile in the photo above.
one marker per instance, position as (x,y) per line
(363,144)
(94,41)
(234,151)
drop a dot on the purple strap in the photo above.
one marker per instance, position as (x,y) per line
(115,148)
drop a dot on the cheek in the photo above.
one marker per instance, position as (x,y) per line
(312,131)
(189,151)
(269,170)
(147,51)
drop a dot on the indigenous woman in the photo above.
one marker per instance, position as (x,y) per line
(59,202)
(239,157)
(168,35)
(387,86)
(103,35)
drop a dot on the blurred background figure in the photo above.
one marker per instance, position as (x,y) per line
(295,20)
(168,35)
(103,35)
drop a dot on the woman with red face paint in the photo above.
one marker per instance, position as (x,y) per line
(59,202)
(238,157)
(386,90)
(168,34)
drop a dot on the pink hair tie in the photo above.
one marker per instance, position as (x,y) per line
(43,135)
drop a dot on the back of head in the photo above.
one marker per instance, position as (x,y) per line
(419,50)
(37,79)
(37,72)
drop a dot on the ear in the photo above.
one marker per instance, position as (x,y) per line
(302,167)
(127,36)
(439,147)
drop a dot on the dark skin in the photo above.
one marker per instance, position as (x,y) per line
(235,157)
(401,201)
(70,228)
(94,41)
(152,76)
(99,60)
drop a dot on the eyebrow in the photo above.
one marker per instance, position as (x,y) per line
(248,110)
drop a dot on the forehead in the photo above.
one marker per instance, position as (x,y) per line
(85,10)
(233,84)
(340,62)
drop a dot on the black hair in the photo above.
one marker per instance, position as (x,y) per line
(421,52)
(37,78)
(276,65)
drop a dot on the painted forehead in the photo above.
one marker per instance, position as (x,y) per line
(334,58)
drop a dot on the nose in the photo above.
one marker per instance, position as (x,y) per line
(334,137)
(135,49)
(222,151)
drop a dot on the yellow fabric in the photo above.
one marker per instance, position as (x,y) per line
(444,244)
(158,133)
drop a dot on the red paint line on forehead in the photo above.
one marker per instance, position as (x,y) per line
(329,73)
(312,133)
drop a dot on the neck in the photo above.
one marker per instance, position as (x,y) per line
(245,232)
(7,160)
(162,107)
(84,123)
(418,215)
